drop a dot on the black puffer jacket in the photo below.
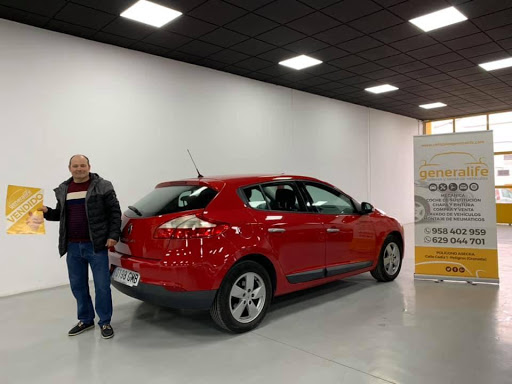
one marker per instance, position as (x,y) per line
(101,206)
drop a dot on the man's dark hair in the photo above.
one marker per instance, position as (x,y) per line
(86,158)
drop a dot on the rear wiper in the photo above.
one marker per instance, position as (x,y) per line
(135,210)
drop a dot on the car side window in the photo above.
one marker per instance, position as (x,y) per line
(329,201)
(255,198)
(283,197)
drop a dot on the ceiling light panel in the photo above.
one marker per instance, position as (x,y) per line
(438,19)
(432,105)
(381,88)
(498,64)
(300,62)
(150,13)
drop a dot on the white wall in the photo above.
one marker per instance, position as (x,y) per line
(135,115)
(392,164)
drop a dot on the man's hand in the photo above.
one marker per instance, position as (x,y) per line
(34,221)
(111,243)
(44,209)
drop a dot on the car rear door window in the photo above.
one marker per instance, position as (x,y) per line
(255,198)
(172,199)
(283,197)
(329,201)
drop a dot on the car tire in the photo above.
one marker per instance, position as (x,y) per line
(421,209)
(243,297)
(390,260)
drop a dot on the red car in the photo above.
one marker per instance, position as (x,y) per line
(231,243)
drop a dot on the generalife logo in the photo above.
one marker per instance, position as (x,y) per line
(453,165)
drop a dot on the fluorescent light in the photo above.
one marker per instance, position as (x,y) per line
(498,64)
(300,62)
(381,88)
(438,19)
(150,13)
(433,105)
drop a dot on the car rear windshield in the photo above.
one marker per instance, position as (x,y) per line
(172,199)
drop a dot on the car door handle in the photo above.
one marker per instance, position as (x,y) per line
(276,230)
(332,230)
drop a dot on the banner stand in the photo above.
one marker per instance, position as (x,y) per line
(439,279)
(455,208)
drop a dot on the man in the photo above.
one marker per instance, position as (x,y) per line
(90,223)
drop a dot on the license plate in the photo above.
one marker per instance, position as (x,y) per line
(126,277)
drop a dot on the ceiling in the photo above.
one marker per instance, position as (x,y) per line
(362,43)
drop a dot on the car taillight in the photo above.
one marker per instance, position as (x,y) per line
(189,227)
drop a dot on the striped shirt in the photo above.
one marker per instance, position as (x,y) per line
(77,225)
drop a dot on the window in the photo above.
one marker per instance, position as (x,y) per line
(283,197)
(176,198)
(442,126)
(255,198)
(503,195)
(329,201)
(503,170)
(473,123)
(501,124)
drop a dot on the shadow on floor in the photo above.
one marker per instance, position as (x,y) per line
(137,316)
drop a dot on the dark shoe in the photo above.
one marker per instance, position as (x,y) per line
(79,328)
(106,331)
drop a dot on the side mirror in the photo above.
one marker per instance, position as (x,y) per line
(366,208)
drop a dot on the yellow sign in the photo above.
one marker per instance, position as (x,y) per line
(21,210)
(457,263)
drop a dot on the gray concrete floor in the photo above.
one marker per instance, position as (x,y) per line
(353,331)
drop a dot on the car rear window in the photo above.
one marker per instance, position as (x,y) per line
(172,199)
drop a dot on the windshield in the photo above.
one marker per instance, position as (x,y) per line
(176,198)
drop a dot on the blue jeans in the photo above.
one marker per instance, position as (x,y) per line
(80,256)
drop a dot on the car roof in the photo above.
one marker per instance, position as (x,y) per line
(238,180)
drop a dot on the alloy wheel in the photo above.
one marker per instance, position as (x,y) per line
(247,297)
(392,258)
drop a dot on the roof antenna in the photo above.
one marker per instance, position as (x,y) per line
(198,173)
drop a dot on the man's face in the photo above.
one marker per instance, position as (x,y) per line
(79,168)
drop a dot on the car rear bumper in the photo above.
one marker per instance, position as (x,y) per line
(158,295)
